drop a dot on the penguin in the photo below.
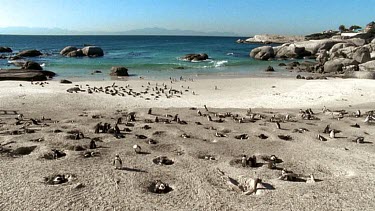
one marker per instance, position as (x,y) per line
(199,112)
(321,138)
(117,162)
(149,111)
(92,144)
(332,134)
(244,161)
(358,113)
(205,107)
(359,140)
(278,125)
(137,148)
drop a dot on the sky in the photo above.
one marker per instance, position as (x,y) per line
(243,17)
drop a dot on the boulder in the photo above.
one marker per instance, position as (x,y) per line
(269,69)
(291,51)
(77,53)
(368,66)
(67,50)
(5,49)
(195,57)
(362,55)
(64,81)
(93,51)
(119,71)
(373,41)
(25,75)
(30,65)
(313,46)
(336,65)
(357,41)
(262,53)
(29,53)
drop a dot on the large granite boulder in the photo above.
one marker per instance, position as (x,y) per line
(357,41)
(336,65)
(67,50)
(93,51)
(29,53)
(291,51)
(313,46)
(195,57)
(262,53)
(25,75)
(5,49)
(30,65)
(362,55)
(76,53)
(119,71)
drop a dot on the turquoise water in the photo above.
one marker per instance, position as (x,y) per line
(146,56)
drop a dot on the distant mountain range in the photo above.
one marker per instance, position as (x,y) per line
(144,31)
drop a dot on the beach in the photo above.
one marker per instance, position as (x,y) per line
(206,155)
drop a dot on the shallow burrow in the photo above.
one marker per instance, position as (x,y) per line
(163,160)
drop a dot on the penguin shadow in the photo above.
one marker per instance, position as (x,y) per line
(102,147)
(267,186)
(143,153)
(133,170)
(298,180)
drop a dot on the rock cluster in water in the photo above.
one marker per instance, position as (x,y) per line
(90,51)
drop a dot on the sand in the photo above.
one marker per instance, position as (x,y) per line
(344,169)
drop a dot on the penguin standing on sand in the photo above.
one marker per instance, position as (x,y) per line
(117,162)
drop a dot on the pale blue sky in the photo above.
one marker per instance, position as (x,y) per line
(244,17)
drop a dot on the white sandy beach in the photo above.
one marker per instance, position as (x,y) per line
(343,169)
(278,93)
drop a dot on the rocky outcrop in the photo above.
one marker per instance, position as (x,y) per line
(25,75)
(272,38)
(30,65)
(29,53)
(320,36)
(93,51)
(262,53)
(67,50)
(119,71)
(5,49)
(195,57)
(90,51)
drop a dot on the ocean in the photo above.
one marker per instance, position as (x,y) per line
(154,57)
